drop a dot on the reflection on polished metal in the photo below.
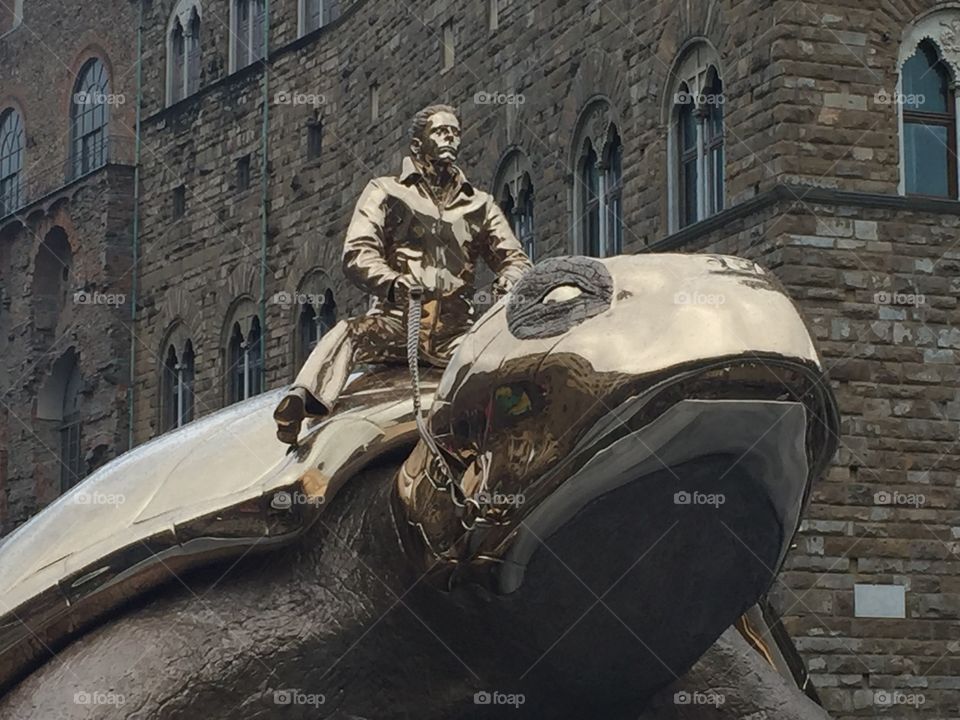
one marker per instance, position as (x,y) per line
(217,488)
(655,361)
(612,391)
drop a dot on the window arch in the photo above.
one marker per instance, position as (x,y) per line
(696,139)
(928,119)
(317,13)
(11,161)
(183,51)
(89,118)
(598,182)
(317,315)
(514,194)
(247,20)
(177,389)
(244,356)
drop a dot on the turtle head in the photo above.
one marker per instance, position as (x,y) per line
(627,388)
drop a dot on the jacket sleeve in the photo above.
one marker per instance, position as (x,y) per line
(364,250)
(500,247)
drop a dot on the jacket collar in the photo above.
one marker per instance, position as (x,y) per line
(410,175)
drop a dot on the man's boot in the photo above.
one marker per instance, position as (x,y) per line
(289,415)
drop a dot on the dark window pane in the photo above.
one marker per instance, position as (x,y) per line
(613,186)
(926,81)
(926,165)
(590,189)
(259,20)
(169,383)
(716,162)
(328,313)
(11,161)
(314,139)
(255,378)
(688,128)
(193,54)
(308,331)
(235,357)
(88,113)
(331,10)
(688,190)
(186,379)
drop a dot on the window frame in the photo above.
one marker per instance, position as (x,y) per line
(244,372)
(595,140)
(947,120)
(70,430)
(696,93)
(327,11)
(178,394)
(515,195)
(247,19)
(85,159)
(12,150)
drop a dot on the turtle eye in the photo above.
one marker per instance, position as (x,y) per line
(556,295)
(562,293)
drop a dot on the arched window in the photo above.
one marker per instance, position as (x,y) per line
(245,373)
(248,18)
(514,192)
(88,119)
(598,184)
(697,167)
(929,120)
(177,387)
(317,13)
(11,161)
(183,51)
(313,322)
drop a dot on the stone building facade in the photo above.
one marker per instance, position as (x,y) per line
(66,208)
(780,131)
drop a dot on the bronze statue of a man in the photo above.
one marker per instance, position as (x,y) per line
(425,227)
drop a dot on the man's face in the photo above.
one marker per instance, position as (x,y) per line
(440,141)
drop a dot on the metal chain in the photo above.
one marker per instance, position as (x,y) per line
(468,509)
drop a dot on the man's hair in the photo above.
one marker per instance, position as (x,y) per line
(422,118)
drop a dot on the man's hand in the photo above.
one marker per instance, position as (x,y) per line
(501,287)
(400,290)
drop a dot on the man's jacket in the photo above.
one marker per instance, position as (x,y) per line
(398,228)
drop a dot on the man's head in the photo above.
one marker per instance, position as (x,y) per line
(435,135)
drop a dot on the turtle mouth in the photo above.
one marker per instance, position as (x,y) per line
(770,424)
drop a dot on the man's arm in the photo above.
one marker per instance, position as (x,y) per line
(501,249)
(364,251)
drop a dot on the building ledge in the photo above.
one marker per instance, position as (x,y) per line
(804,195)
(45,192)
